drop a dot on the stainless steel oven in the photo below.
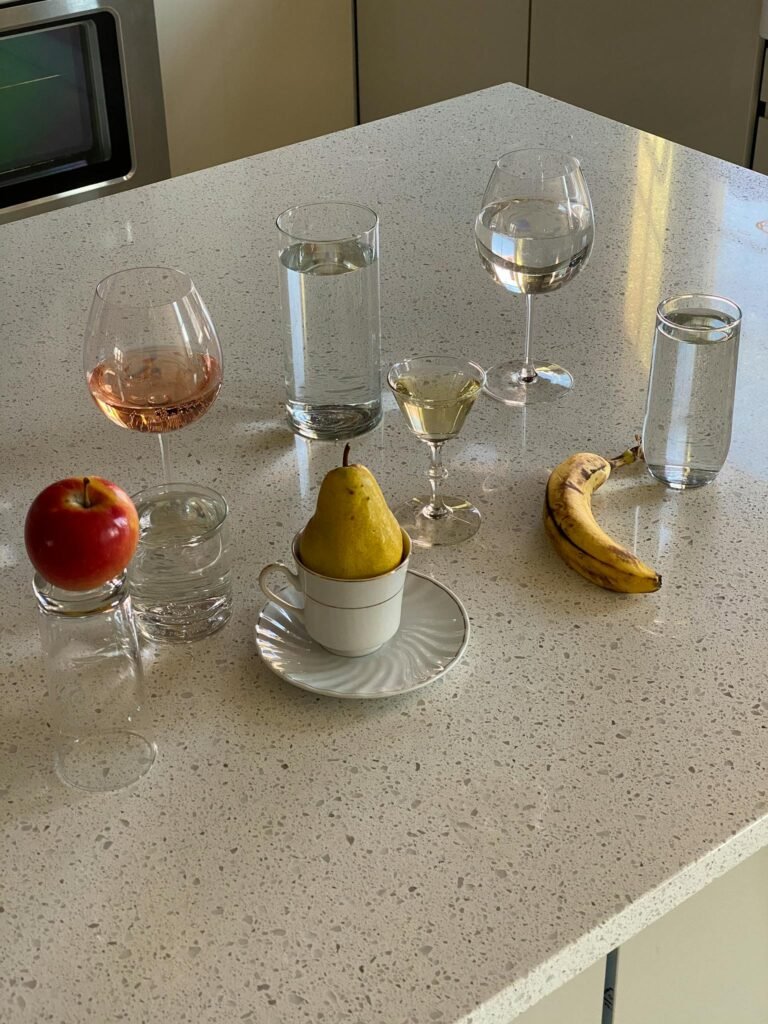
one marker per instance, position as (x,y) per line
(81,102)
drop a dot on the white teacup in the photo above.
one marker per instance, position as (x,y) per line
(347,617)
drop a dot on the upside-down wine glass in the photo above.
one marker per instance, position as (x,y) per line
(435,394)
(152,357)
(533,234)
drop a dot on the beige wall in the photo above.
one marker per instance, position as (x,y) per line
(243,76)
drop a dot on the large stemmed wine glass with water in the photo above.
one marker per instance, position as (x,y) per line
(152,357)
(533,234)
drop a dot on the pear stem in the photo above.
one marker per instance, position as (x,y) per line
(345,459)
(436,507)
(86,502)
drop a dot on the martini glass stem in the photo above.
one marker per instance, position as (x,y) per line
(165,455)
(528,370)
(436,507)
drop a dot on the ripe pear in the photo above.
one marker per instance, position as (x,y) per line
(353,534)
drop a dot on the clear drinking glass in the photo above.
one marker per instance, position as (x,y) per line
(533,234)
(152,356)
(329,287)
(435,394)
(689,407)
(102,733)
(180,578)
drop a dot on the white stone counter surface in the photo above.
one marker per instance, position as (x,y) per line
(456,853)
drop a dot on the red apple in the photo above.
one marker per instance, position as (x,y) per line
(80,532)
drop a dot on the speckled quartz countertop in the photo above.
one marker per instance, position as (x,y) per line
(454,854)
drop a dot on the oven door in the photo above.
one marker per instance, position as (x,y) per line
(66,103)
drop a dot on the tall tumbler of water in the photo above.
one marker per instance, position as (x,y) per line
(180,577)
(97,709)
(689,407)
(329,290)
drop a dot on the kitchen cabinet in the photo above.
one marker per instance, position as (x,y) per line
(579,1001)
(705,961)
(683,69)
(414,53)
(760,155)
(677,68)
(240,78)
(702,963)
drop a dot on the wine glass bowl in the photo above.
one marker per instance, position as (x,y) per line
(533,234)
(152,357)
(435,395)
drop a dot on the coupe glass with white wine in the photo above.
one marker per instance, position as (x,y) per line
(533,234)
(435,394)
(152,356)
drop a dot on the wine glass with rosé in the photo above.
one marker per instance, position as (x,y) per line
(152,356)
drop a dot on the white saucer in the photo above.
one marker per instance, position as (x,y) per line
(433,635)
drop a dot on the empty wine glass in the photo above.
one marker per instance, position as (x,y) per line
(533,234)
(435,394)
(152,357)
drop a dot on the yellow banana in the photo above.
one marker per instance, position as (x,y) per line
(575,534)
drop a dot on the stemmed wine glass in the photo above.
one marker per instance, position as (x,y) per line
(533,234)
(435,394)
(152,357)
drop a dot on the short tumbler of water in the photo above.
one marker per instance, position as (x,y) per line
(329,289)
(98,716)
(689,408)
(180,577)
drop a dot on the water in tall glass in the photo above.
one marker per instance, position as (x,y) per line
(330,297)
(689,409)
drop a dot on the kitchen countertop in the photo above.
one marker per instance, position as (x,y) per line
(456,853)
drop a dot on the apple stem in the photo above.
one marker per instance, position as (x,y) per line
(86,503)
(345,460)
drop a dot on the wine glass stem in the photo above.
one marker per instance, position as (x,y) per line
(528,371)
(436,507)
(165,455)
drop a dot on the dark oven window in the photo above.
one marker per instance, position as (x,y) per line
(63,122)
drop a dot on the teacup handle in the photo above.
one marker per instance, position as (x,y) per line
(279,567)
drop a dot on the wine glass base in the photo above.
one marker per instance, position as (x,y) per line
(504,384)
(461,523)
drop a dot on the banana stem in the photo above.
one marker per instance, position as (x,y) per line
(436,507)
(633,454)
